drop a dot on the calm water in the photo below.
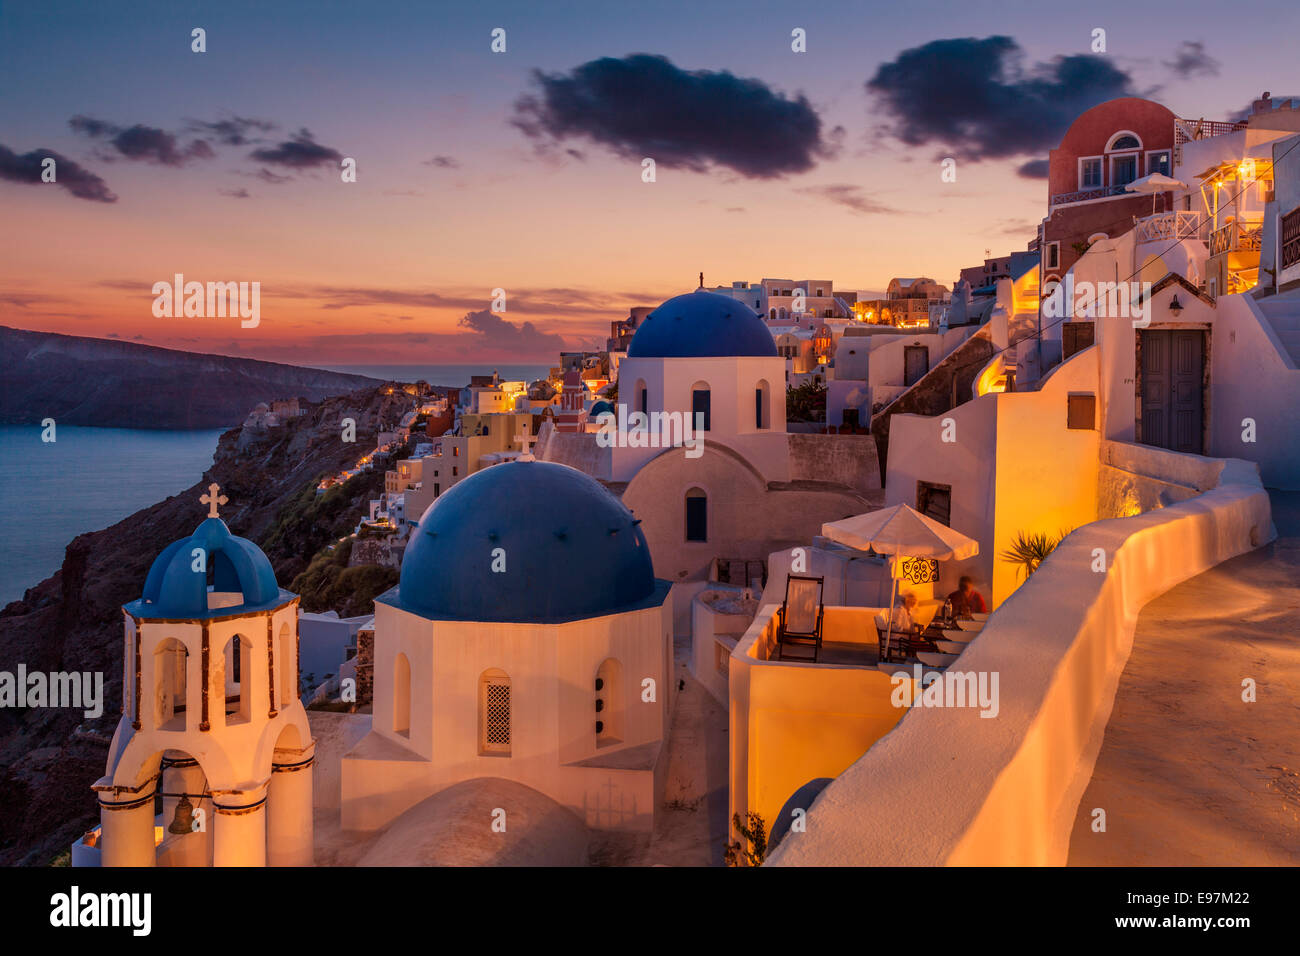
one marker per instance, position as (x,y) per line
(88,479)
(454,376)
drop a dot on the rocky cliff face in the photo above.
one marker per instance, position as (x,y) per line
(111,384)
(72,621)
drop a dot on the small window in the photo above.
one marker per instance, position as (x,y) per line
(697,515)
(700,406)
(1126,141)
(1081,411)
(1052,255)
(1090,173)
(934,501)
(1158,162)
(494,714)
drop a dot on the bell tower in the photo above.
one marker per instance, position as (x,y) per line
(212,731)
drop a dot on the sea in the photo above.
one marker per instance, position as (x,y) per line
(453,376)
(84,480)
(91,478)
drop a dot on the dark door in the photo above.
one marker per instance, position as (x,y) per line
(916,362)
(1173,369)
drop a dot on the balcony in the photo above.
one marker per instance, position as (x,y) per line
(1242,237)
(1085,195)
(1179,224)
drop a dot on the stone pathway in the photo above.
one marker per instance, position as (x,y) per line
(1188,773)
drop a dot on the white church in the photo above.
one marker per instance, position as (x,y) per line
(707,358)
(523,665)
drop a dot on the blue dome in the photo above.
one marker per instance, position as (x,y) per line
(570,550)
(600,408)
(174,589)
(701,325)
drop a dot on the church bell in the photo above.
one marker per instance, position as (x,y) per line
(183,821)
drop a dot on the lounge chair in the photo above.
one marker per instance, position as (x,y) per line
(800,621)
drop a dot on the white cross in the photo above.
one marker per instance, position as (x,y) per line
(212,499)
(526,440)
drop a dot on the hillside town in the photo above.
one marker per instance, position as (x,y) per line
(782,562)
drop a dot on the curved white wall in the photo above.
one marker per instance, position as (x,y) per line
(949,787)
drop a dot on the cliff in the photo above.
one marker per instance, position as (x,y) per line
(72,621)
(112,384)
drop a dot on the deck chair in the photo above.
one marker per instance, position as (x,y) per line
(800,619)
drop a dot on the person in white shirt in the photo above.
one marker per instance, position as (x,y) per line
(902,617)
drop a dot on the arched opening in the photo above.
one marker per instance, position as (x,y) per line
(288,664)
(184,804)
(609,703)
(223,582)
(402,696)
(237,661)
(641,396)
(697,515)
(771,313)
(494,731)
(762,405)
(170,667)
(701,407)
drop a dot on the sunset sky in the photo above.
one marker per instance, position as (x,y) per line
(522,170)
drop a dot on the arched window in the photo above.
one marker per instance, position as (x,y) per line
(170,662)
(697,515)
(701,406)
(771,313)
(494,713)
(1123,163)
(762,405)
(609,703)
(237,660)
(1123,140)
(288,665)
(402,696)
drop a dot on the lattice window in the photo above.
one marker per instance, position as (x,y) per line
(494,704)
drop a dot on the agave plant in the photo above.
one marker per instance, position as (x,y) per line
(1030,549)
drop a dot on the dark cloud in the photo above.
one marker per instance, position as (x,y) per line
(976,98)
(76,179)
(494,332)
(142,143)
(1191,59)
(1034,169)
(644,106)
(301,151)
(268,177)
(232,130)
(443,162)
(236,193)
(849,195)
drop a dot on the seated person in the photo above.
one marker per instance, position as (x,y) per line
(902,618)
(966,600)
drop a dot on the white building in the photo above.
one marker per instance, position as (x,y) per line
(528,640)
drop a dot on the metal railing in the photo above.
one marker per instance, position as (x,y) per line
(1236,237)
(1290,233)
(1083,195)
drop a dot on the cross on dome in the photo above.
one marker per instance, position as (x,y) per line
(526,438)
(212,499)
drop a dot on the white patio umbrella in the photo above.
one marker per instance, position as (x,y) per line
(897,531)
(1155,183)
